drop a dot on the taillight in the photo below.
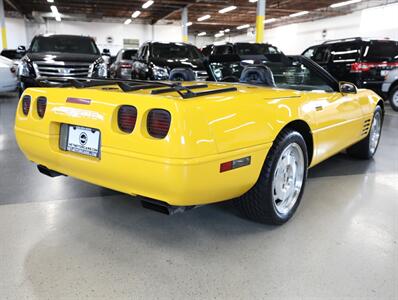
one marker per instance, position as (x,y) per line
(41,106)
(26,100)
(360,67)
(126,66)
(158,123)
(126,118)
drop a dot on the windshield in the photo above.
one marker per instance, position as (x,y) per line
(381,51)
(255,49)
(129,54)
(175,51)
(288,73)
(64,44)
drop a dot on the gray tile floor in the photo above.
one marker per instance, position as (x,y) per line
(65,239)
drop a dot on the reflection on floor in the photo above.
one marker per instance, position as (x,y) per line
(62,238)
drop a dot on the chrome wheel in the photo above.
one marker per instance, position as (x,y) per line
(375,133)
(394,98)
(288,179)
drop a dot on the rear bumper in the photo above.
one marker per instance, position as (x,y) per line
(178,182)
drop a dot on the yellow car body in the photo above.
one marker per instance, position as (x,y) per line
(183,169)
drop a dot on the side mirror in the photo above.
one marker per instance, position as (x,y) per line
(347,88)
(21,49)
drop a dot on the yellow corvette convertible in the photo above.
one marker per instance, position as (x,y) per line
(181,145)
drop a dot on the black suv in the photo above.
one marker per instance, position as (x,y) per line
(60,56)
(174,61)
(364,62)
(249,50)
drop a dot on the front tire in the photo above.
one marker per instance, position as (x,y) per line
(367,148)
(279,189)
(394,98)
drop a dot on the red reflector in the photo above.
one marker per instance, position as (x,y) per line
(234,164)
(41,106)
(226,166)
(158,123)
(126,118)
(78,101)
(26,104)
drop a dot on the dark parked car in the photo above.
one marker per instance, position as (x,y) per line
(245,50)
(60,56)
(174,61)
(121,66)
(206,51)
(364,62)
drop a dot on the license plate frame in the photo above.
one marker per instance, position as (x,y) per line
(81,140)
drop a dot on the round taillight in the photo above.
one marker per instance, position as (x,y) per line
(26,100)
(158,123)
(126,118)
(41,106)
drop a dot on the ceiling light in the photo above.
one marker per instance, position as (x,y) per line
(50,1)
(136,14)
(127,22)
(147,4)
(227,9)
(243,26)
(267,21)
(54,10)
(189,24)
(220,34)
(204,18)
(202,34)
(339,4)
(227,30)
(298,14)
(252,1)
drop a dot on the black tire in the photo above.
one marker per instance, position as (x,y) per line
(258,203)
(362,149)
(394,95)
(182,74)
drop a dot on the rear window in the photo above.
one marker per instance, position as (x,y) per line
(255,49)
(175,51)
(345,52)
(129,54)
(381,51)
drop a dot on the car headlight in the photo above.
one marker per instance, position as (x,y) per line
(98,69)
(23,69)
(160,73)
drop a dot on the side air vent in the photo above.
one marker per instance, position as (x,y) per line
(366,127)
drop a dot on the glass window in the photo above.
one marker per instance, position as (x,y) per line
(129,54)
(345,52)
(255,49)
(223,50)
(175,51)
(309,52)
(64,44)
(381,51)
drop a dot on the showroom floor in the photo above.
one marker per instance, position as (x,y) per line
(62,238)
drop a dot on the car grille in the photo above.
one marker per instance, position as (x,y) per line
(62,69)
(201,75)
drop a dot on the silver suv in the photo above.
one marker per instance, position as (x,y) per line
(390,88)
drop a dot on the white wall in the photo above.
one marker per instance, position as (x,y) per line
(18,34)
(379,22)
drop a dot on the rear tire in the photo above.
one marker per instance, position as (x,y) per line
(367,148)
(279,189)
(394,98)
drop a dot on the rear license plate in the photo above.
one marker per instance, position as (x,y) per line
(384,72)
(80,140)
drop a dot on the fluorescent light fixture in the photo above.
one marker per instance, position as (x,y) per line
(220,34)
(299,14)
(267,21)
(344,3)
(202,33)
(204,18)
(147,4)
(252,1)
(135,14)
(243,26)
(127,22)
(227,9)
(189,24)
(50,1)
(227,30)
